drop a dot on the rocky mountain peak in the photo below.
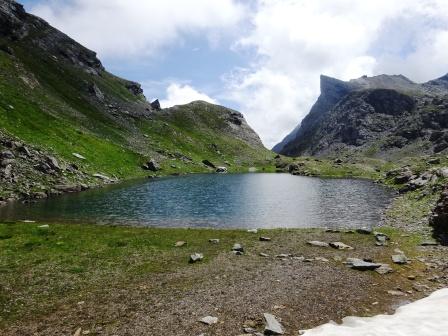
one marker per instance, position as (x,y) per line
(12,15)
(16,24)
(330,86)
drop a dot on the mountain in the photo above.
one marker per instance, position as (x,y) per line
(279,147)
(67,124)
(384,116)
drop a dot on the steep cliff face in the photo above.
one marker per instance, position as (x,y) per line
(57,100)
(382,116)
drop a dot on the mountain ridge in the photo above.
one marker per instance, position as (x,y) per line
(343,118)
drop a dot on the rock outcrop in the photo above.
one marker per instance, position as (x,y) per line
(439,218)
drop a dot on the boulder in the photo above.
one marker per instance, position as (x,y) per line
(209,164)
(400,259)
(53,163)
(238,248)
(364,230)
(434,161)
(195,257)
(180,243)
(214,241)
(156,105)
(265,239)
(221,170)
(151,165)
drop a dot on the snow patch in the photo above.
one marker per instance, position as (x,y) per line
(425,317)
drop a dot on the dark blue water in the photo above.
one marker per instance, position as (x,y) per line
(218,201)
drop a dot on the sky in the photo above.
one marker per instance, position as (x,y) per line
(261,57)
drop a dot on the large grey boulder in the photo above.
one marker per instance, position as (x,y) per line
(151,165)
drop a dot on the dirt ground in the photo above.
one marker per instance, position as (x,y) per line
(239,289)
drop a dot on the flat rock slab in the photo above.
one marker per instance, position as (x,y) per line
(273,327)
(341,246)
(317,243)
(361,265)
(400,259)
(384,269)
(209,320)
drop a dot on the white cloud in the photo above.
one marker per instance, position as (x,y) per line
(297,40)
(177,94)
(118,28)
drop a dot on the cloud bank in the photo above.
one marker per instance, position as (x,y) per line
(177,94)
(138,28)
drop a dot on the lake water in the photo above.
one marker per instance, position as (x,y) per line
(218,201)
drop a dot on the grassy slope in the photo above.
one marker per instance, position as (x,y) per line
(53,110)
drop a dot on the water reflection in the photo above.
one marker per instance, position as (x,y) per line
(242,200)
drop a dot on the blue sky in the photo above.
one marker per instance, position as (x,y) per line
(262,57)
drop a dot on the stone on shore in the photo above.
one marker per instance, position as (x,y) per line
(341,246)
(209,320)
(399,259)
(317,243)
(238,248)
(364,230)
(195,257)
(265,239)
(273,327)
(361,265)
